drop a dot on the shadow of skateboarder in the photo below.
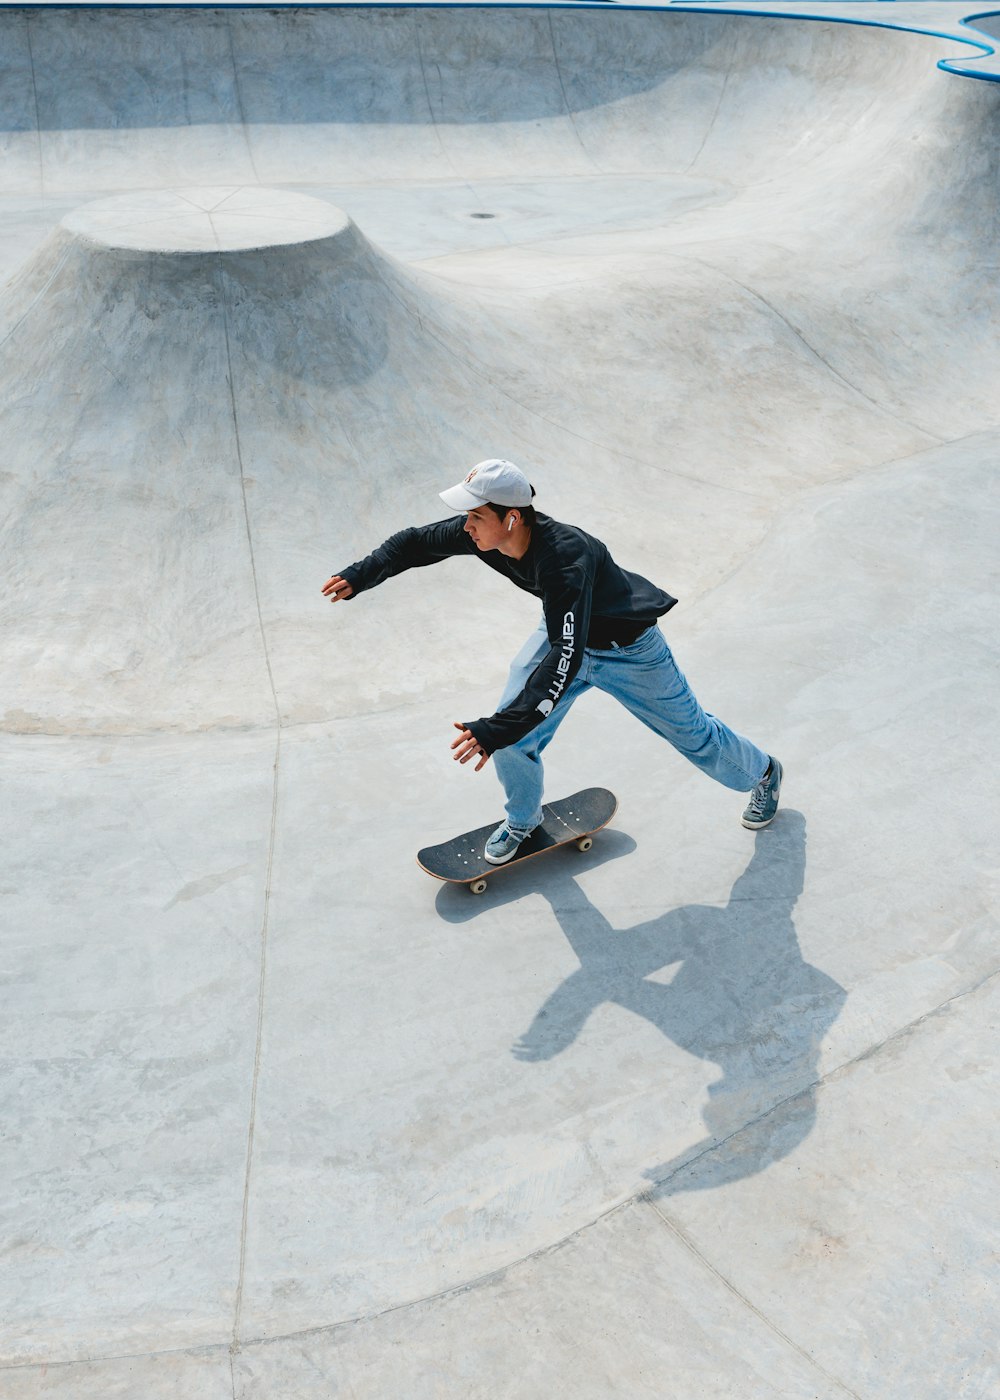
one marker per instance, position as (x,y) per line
(742,998)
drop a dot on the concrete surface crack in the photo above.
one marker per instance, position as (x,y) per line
(265,918)
(36,299)
(683,1238)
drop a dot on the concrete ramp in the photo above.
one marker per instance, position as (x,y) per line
(698,1113)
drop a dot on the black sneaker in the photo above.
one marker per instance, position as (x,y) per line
(763,804)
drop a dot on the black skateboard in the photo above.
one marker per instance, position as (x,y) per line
(460,861)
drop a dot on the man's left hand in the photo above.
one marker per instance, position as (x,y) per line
(466,746)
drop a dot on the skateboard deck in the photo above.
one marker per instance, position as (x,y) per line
(460,861)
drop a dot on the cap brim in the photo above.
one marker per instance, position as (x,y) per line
(459,498)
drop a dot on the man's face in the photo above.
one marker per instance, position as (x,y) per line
(485,527)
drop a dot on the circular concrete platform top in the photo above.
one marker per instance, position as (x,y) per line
(212,219)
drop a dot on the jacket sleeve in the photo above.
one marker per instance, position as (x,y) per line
(567,620)
(413,548)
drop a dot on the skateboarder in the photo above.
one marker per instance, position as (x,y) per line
(599,628)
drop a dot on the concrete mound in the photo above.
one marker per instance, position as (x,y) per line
(131,337)
(207,392)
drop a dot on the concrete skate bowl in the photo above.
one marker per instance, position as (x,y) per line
(282,1118)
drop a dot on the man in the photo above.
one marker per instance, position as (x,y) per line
(599,628)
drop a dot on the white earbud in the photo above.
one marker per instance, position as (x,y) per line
(510,525)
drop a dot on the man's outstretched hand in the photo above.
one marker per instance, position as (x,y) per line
(336,588)
(466,746)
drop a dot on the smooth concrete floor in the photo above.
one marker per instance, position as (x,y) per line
(698,1114)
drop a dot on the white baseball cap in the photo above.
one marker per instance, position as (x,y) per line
(495,481)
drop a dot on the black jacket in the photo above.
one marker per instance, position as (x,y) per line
(587,599)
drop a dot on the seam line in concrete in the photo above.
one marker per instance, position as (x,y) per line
(445,153)
(899,1034)
(826,490)
(775,311)
(681,1236)
(34,98)
(471,364)
(914,1025)
(562,89)
(265,918)
(207,1349)
(873,470)
(711,125)
(238,90)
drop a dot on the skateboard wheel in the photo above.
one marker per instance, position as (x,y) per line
(584,843)
(477,887)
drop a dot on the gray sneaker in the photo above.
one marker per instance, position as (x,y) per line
(502,845)
(763,802)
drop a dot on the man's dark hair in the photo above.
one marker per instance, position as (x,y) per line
(527,512)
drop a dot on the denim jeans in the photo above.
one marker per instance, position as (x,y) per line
(647,681)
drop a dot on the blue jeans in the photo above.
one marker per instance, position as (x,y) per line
(647,681)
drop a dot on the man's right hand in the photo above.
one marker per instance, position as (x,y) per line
(337,588)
